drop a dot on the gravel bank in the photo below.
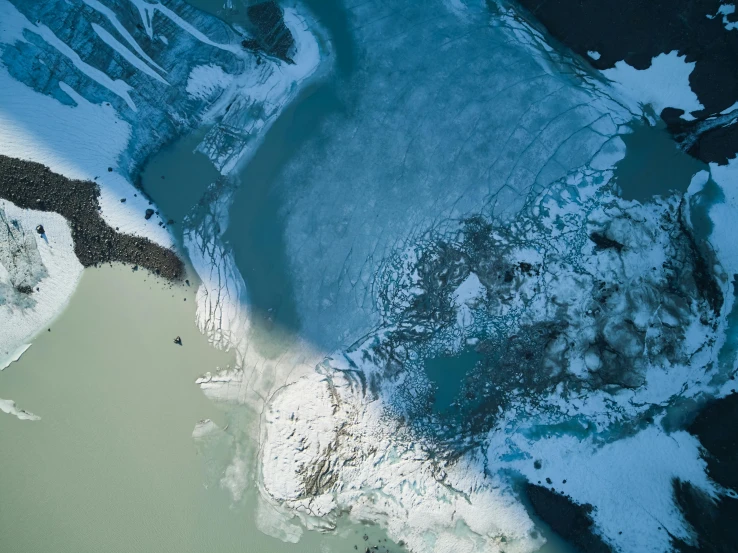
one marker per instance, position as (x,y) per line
(34,186)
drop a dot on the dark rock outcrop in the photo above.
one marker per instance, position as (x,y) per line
(272,35)
(33,186)
(636,31)
(569,520)
(713,521)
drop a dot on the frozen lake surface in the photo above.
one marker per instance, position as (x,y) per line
(470,291)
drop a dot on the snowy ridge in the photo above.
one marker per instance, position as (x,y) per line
(664,84)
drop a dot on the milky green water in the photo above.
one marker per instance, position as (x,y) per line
(111,466)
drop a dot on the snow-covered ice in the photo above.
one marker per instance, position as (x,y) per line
(664,84)
(56,271)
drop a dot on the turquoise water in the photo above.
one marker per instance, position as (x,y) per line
(177,176)
(447,373)
(257,231)
(653,164)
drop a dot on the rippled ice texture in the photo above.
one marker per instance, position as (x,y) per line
(447,115)
(460,197)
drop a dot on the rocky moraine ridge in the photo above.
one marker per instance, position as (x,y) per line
(33,186)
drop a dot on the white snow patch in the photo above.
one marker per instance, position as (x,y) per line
(593,54)
(629,481)
(469,290)
(465,295)
(698,182)
(206,79)
(725,10)
(664,84)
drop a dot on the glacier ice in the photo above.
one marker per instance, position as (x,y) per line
(498,167)
(461,195)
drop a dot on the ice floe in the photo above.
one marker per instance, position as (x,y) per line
(8,406)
